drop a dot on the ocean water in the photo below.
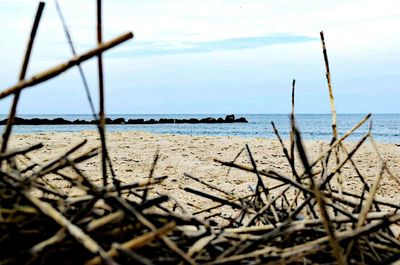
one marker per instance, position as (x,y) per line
(386,127)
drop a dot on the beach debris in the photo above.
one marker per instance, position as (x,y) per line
(305,217)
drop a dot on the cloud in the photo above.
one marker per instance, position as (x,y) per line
(153,48)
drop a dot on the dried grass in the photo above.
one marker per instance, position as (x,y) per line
(122,223)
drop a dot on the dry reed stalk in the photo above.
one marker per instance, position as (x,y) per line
(237,258)
(329,176)
(265,208)
(57,237)
(292,126)
(336,249)
(24,68)
(111,218)
(333,109)
(288,156)
(74,231)
(102,118)
(278,230)
(230,195)
(269,173)
(81,73)
(261,188)
(136,242)
(383,161)
(328,79)
(21,151)
(232,203)
(341,139)
(142,219)
(367,206)
(222,204)
(54,71)
(151,174)
(370,198)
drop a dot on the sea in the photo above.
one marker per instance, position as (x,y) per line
(385,127)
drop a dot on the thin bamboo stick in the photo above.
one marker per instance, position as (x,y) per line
(136,242)
(333,111)
(101,97)
(328,79)
(13,153)
(56,70)
(13,110)
(74,230)
(292,127)
(336,249)
(73,50)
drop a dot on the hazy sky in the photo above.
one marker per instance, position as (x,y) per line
(211,56)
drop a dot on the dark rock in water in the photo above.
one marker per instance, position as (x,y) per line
(38,121)
(151,121)
(208,120)
(34,121)
(135,121)
(19,121)
(241,119)
(118,121)
(62,121)
(230,118)
(78,121)
(166,120)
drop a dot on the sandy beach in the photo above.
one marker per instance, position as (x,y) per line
(132,154)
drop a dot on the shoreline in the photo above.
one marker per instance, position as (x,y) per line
(313,127)
(349,140)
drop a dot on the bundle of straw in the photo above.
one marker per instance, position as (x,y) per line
(121,223)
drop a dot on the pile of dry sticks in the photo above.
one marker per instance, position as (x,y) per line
(119,223)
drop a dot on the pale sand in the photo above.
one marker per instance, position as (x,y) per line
(132,155)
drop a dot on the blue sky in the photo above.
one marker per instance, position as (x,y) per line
(211,56)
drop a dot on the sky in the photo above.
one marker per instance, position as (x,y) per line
(210,56)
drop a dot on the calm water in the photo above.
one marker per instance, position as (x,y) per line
(386,127)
